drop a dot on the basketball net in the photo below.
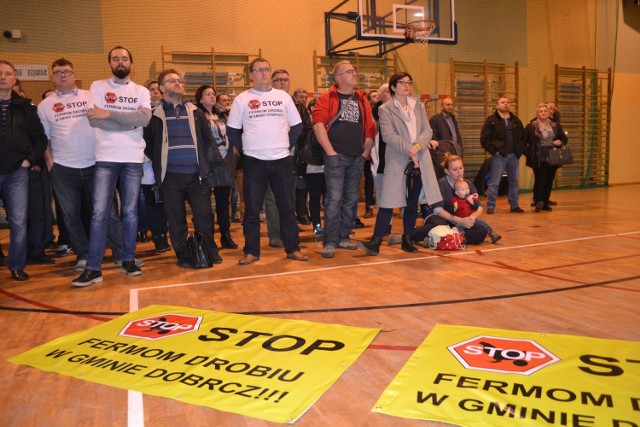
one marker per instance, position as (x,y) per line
(419,31)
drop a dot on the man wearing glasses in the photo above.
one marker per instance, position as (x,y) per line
(71,159)
(264,125)
(179,144)
(345,128)
(118,112)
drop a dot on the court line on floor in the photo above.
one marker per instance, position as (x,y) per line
(369,264)
(135,407)
(134,293)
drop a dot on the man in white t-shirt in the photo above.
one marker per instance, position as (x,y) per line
(71,158)
(264,124)
(119,111)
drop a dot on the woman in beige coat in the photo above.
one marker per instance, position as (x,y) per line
(405,129)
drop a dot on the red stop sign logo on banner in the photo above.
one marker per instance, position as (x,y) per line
(162,326)
(505,355)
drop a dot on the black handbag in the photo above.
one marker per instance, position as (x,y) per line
(198,251)
(560,156)
(411,170)
(157,196)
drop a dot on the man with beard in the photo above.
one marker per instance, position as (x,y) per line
(120,110)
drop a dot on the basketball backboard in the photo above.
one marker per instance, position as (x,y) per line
(386,19)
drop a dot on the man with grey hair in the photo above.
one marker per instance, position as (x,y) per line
(183,154)
(345,129)
(300,95)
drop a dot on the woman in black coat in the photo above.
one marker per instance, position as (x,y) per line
(541,135)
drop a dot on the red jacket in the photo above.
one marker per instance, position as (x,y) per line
(327,107)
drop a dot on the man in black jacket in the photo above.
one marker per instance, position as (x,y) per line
(502,136)
(180,145)
(22,143)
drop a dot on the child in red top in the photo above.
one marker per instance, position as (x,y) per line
(464,204)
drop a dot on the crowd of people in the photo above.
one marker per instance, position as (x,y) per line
(123,159)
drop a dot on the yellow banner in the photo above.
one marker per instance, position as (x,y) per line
(481,377)
(268,368)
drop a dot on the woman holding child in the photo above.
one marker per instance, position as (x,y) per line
(473,228)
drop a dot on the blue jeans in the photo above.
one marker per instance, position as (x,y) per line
(106,176)
(277,174)
(14,188)
(499,164)
(342,176)
(410,214)
(73,187)
(479,223)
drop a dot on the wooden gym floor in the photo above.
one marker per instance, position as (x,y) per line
(571,271)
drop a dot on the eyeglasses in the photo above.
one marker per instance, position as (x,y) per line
(172,81)
(352,71)
(60,73)
(281,80)
(405,82)
(261,70)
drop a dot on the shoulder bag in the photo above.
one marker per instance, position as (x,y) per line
(560,156)
(198,251)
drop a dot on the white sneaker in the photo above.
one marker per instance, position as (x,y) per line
(80,265)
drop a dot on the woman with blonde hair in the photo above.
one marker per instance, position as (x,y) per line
(541,135)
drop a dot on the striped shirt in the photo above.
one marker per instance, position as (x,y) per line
(182,151)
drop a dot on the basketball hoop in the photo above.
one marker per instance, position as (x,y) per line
(419,31)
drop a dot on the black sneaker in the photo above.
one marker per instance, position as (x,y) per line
(215,257)
(161,243)
(357,223)
(88,277)
(130,268)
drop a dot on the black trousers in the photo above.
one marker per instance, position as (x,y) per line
(277,173)
(543,182)
(154,216)
(223,205)
(176,189)
(36,216)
